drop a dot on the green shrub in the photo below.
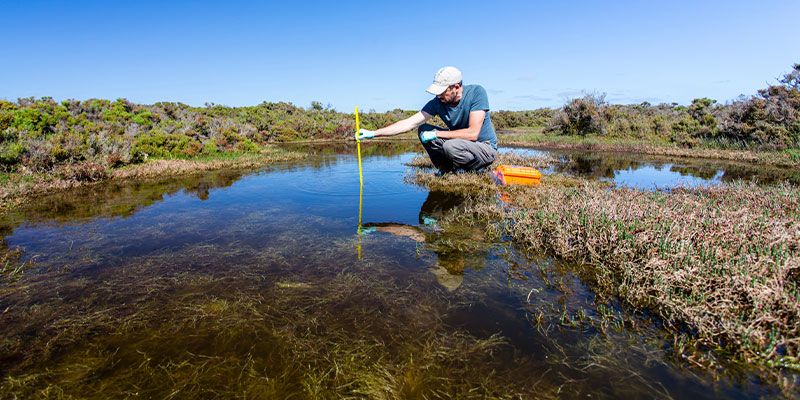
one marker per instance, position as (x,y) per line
(118,112)
(11,153)
(246,146)
(521,119)
(771,119)
(209,148)
(143,118)
(580,117)
(6,105)
(192,148)
(28,120)
(683,132)
(160,144)
(68,145)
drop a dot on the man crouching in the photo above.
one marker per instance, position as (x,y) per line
(469,142)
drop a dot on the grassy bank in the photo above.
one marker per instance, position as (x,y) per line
(719,266)
(19,186)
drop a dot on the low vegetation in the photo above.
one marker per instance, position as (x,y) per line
(16,187)
(719,266)
(769,120)
(41,135)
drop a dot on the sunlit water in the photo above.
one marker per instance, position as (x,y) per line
(256,284)
(655,172)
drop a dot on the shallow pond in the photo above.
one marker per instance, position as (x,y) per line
(255,284)
(658,172)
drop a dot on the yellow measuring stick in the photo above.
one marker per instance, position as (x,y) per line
(360,186)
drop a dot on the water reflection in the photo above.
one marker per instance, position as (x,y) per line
(371,148)
(651,172)
(456,247)
(248,284)
(119,199)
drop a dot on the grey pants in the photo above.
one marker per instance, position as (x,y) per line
(449,155)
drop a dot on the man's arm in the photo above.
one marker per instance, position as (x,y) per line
(471,132)
(405,125)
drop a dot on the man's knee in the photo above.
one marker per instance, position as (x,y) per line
(458,151)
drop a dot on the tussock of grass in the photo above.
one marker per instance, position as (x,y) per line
(421,161)
(469,183)
(160,168)
(510,158)
(723,262)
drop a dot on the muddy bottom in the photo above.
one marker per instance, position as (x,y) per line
(257,285)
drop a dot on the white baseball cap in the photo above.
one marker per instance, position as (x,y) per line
(444,77)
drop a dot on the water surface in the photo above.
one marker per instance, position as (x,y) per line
(658,172)
(255,284)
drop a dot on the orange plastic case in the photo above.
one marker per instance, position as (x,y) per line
(513,175)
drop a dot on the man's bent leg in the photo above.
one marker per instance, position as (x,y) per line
(469,155)
(435,149)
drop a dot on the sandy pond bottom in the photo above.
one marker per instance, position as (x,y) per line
(250,285)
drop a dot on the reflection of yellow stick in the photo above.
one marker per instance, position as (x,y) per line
(360,202)
(360,187)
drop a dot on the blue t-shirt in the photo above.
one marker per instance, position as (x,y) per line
(473,98)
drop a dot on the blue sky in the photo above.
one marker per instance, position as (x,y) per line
(527,54)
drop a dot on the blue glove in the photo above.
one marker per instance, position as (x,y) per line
(365,134)
(427,136)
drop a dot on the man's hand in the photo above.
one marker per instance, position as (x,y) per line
(427,136)
(365,134)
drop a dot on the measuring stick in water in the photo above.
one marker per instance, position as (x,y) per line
(360,186)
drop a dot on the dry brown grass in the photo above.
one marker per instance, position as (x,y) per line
(719,265)
(723,262)
(510,158)
(160,168)
(472,184)
(469,183)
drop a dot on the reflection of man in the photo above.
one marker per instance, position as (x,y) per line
(469,143)
(450,265)
(437,205)
(451,261)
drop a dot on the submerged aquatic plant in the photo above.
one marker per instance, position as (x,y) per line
(159,328)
